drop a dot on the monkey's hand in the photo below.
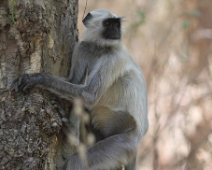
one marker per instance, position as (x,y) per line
(26,81)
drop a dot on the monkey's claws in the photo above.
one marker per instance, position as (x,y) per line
(24,82)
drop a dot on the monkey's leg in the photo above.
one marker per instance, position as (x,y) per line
(110,153)
(117,149)
(112,122)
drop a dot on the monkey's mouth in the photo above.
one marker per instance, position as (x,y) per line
(115,36)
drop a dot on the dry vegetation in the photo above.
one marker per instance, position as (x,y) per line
(172,42)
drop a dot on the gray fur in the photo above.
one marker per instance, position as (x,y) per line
(112,86)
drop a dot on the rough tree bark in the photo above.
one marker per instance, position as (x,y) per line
(40,40)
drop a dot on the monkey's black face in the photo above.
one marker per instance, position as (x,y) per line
(112,28)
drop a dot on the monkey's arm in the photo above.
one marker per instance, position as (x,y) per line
(88,93)
(78,68)
(53,84)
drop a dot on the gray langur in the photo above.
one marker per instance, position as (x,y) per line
(110,84)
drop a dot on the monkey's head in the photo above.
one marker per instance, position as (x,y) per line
(102,27)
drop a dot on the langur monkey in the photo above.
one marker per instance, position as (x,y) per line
(111,86)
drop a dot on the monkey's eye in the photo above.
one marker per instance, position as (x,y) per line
(117,24)
(107,24)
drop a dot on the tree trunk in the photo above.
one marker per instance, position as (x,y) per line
(35,36)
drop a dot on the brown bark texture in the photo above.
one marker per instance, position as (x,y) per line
(40,39)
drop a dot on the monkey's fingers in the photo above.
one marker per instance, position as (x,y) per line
(54,103)
(65,121)
(25,82)
(59,108)
(20,80)
(62,112)
(14,86)
(67,124)
(25,87)
(17,84)
(63,115)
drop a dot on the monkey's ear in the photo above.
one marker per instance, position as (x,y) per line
(85,21)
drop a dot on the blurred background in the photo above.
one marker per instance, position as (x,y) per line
(172,42)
